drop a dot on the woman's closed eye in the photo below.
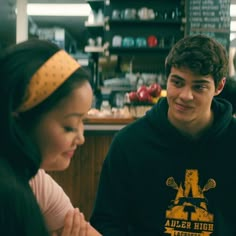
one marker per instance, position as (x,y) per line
(70,129)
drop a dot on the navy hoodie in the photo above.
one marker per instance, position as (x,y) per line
(156,181)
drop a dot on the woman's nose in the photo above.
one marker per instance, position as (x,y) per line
(80,139)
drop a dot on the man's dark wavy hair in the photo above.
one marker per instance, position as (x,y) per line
(201,54)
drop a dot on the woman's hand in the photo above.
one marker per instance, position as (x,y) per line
(74,224)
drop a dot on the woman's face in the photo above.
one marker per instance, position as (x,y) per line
(61,130)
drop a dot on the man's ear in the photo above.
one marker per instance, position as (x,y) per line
(220,86)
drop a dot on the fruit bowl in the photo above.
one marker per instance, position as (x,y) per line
(142,100)
(138,109)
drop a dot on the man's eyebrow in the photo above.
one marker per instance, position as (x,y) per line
(176,76)
(201,81)
(198,81)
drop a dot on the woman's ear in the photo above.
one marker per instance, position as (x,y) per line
(220,86)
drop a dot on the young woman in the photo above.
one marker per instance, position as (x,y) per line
(45,94)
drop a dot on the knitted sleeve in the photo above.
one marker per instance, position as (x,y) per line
(52,200)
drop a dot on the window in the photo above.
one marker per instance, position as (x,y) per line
(233,20)
(232,50)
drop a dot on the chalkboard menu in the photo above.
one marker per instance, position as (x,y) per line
(210,17)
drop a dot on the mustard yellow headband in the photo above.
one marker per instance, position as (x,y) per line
(48,78)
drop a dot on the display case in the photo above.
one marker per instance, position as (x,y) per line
(143,31)
(140,34)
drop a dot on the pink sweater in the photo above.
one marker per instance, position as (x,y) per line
(52,200)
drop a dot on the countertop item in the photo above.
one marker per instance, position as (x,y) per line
(97,120)
(109,123)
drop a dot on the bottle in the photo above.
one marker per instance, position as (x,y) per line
(105,107)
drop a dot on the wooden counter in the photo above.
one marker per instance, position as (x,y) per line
(80,180)
(106,123)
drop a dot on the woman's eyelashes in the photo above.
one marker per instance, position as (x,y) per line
(70,129)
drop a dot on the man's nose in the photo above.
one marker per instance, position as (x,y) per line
(186,93)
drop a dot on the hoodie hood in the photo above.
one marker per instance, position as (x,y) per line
(169,136)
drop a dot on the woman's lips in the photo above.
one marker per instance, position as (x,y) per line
(69,154)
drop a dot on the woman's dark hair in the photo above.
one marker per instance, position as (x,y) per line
(17,66)
(20,213)
(201,54)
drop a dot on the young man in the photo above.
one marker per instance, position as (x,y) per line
(171,172)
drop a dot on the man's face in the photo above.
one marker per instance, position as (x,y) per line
(190,96)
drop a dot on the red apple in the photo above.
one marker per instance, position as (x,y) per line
(142,88)
(133,97)
(154,90)
(144,96)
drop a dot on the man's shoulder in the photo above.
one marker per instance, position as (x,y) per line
(231,131)
(134,127)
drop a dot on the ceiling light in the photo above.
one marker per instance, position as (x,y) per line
(58,9)
(232,9)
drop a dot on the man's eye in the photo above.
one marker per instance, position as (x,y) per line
(200,87)
(177,83)
(70,129)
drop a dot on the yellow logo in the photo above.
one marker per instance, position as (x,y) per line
(188,213)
